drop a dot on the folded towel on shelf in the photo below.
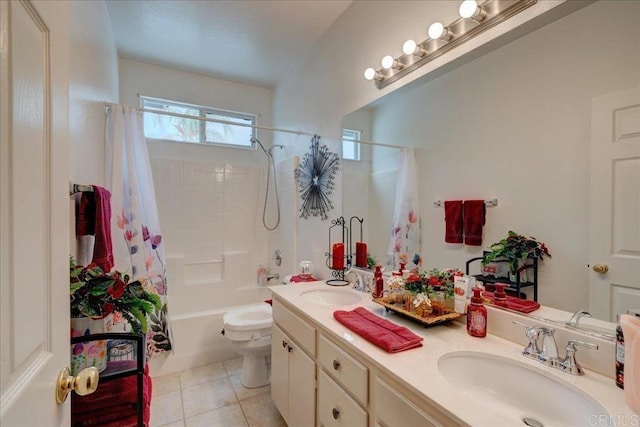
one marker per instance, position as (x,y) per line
(474,212)
(631,331)
(517,304)
(453,221)
(381,332)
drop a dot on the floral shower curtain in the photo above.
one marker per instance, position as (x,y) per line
(135,229)
(404,245)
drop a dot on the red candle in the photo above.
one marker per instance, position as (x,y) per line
(337,254)
(361,254)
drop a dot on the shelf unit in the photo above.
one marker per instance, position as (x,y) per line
(115,370)
(515,286)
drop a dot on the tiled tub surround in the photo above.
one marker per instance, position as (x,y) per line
(211,217)
(416,373)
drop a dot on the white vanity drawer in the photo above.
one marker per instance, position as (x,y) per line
(297,328)
(336,407)
(344,368)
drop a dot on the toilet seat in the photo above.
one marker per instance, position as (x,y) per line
(250,318)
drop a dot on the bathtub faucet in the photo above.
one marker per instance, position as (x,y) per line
(273,276)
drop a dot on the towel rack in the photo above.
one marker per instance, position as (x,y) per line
(79,188)
(488,203)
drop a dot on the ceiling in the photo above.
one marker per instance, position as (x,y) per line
(252,42)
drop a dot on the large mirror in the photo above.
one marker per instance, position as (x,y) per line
(514,125)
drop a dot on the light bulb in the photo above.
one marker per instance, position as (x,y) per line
(470,9)
(387,62)
(370,74)
(437,30)
(409,47)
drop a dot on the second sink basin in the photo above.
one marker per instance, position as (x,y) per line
(522,394)
(332,297)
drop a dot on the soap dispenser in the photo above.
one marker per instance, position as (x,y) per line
(499,296)
(477,315)
(378,282)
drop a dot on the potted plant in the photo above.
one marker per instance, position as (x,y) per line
(515,249)
(96,294)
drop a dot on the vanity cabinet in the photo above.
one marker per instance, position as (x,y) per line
(351,390)
(293,371)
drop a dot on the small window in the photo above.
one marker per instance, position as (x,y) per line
(350,146)
(183,129)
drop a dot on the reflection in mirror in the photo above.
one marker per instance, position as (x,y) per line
(516,124)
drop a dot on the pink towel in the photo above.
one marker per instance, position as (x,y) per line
(453,221)
(383,333)
(474,216)
(631,331)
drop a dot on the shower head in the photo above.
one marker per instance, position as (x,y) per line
(275,146)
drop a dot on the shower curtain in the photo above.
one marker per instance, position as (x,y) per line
(135,229)
(404,244)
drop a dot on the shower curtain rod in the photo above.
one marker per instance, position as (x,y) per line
(226,122)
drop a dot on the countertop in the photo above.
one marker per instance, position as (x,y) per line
(418,370)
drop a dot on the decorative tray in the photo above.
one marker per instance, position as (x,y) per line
(429,320)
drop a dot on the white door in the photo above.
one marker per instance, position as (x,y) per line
(34,214)
(615,204)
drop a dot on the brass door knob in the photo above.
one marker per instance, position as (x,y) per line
(86,382)
(601,268)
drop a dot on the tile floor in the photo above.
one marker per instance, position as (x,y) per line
(211,396)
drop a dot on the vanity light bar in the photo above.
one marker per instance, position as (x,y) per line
(475,21)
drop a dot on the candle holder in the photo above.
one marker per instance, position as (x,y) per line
(339,262)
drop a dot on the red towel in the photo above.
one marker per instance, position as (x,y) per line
(474,216)
(517,304)
(103,250)
(94,218)
(453,218)
(113,404)
(381,332)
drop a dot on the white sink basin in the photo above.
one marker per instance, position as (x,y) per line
(520,392)
(332,297)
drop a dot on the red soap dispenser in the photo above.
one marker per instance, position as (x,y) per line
(378,282)
(499,297)
(477,316)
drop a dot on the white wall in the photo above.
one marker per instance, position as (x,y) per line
(500,123)
(210,203)
(94,81)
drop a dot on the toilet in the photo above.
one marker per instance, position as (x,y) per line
(249,330)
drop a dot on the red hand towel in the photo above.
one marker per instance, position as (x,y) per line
(103,250)
(517,304)
(474,216)
(86,215)
(381,332)
(453,218)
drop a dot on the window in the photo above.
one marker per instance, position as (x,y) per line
(350,148)
(182,129)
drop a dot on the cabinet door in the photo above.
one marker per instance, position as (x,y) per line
(394,410)
(302,388)
(280,372)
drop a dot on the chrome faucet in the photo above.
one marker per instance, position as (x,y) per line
(548,353)
(273,276)
(573,322)
(545,353)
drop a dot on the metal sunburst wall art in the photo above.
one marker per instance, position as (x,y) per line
(315,177)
